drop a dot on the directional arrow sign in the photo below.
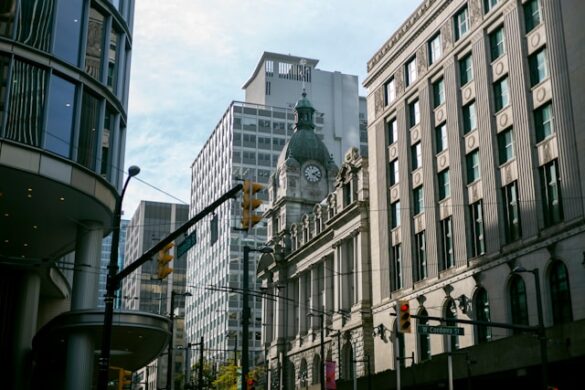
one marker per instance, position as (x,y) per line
(445,330)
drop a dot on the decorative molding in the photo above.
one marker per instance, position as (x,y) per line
(379,101)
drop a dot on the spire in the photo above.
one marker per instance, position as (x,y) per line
(304,113)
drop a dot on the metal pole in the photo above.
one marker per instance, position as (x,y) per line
(541,331)
(245,318)
(201,364)
(397,359)
(188,365)
(354,373)
(450,369)
(236,350)
(369,373)
(322,368)
(147,375)
(170,347)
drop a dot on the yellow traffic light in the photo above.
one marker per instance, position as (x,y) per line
(164,257)
(249,204)
(404,317)
(124,379)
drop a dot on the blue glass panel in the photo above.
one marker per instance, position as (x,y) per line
(35,23)
(68,30)
(60,112)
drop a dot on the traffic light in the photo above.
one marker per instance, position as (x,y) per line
(404,317)
(249,204)
(124,379)
(164,257)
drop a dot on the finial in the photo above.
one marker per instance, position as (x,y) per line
(304,94)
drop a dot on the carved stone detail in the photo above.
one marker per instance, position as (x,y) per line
(475,13)
(399,82)
(447,36)
(379,101)
(421,61)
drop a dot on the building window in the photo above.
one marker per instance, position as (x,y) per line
(435,49)
(489,4)
(450,316)
(410,71)
(505,146)
(551,194)
(68,31)
(420,256)
(511,212)
(477,229)
(538,67)
(396,276)
(413,113)
(88,141)
(393,173)
(469,118)
(438,93)
(501,94)
(560,294)
(472,163)
(543,122)
(465,69)
(497,45)
(418,200)
(268,88)
(395,215)
(518,303)
(447,257)
(461,22)
(531,14)
(444,185)
(389,91)
(95,42)
(441,137)
(424,340)
(60,117)
(392,127)
(416,156)
(482,306)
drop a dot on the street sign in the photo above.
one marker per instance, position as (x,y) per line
(187,243)
(444,330)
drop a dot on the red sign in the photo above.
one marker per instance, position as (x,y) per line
(330,376)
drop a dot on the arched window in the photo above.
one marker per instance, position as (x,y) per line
(482,310)
(303,374)
(560,294)
(316,378)
(348,361)
(518,305)
(291,375)
(450,311)
(424,340)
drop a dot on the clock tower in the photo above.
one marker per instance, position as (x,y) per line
(304,175)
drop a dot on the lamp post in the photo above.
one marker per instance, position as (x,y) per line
(246,311)
(104,360)
(541,330)
(171,330)
(322,349)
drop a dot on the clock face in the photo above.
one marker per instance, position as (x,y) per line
(312,173)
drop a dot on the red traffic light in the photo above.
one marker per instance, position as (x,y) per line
(404,307)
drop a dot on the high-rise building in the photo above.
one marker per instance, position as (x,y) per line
(475,127)
(246,143)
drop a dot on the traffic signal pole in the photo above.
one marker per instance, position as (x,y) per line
(114,279)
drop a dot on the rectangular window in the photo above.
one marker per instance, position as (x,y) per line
(511,212)
(396,276)
(413,113)
(472,163)
(392,127)
(538,65)
(395,215)
(461,22)
(267,91)
(465,69)
(418,200)
(543,122)
(410,72)
(501,94)
(441,137)
(469,118)
(60,117)
(416,155)
(551,193)
(393,173)
(95,44)
(389,91)
(435,49)
(87,144)
(444,184)
(447,257)
(531,14)
(438,93)
(477,229)
(497,45)
(489,4)
(505,146)
(420,256)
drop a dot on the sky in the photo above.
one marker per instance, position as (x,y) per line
(190,59)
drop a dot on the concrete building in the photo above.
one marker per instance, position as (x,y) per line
(317,283)
(143,290)
(475,127)
(246,144)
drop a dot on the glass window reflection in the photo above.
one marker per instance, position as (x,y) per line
(7,14)
(4,61)
(36,23)
(60,112)
(113,60)
(107,142)
(95,43)
(88,131)
(68,30)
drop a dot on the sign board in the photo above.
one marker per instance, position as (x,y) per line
(187,243)
(444,330)
(330,375)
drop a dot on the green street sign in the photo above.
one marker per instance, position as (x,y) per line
(187,243)
(444,330)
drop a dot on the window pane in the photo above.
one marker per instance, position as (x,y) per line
(8,12)
(511,212)
(68,31)
(444,185)
(560,294)
(505,146)
(469,118)
(447,243)
(416,156)
(393,173)
(501,94)
(461,23)
(497,45)
(95,43)
(438,93)
(395,215)
(390,91)
(88,132)
(418,200)
(441,137)
(543,122)
(113,60)
(107,142)
(538,67)
(392,132)
(411,72)
(36,23)
(60,114)
(483,314)
(466,69)
(473,172)
(413,113)
(531,14)
(435,49)
(4,62)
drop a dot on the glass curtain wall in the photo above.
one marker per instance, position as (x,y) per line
(35,23)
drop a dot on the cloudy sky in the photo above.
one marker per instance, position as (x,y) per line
(191,58)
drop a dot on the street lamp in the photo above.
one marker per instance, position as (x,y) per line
(246,311)
(541,330)
(104,360)
(171,330)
